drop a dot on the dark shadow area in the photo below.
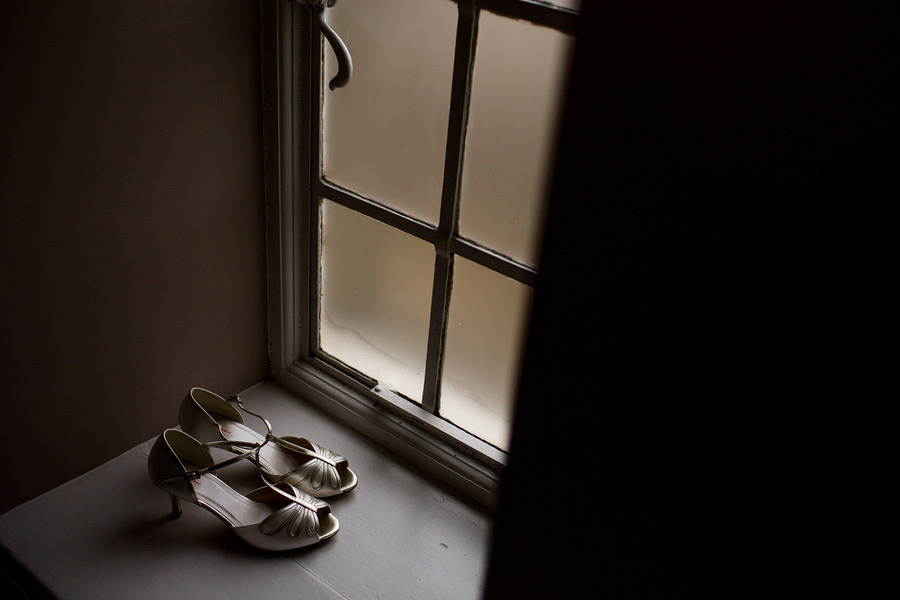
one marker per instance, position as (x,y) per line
(17,583)
(699,389)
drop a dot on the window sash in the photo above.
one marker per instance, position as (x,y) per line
(293,64)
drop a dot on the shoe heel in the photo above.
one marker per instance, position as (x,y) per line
(176,506)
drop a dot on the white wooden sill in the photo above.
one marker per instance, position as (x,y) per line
(109,534)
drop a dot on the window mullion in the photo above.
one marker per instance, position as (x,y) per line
(466,34)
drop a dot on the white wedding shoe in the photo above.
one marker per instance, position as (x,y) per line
(293,460)
(272,517)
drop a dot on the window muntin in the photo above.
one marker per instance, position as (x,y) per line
(453,258)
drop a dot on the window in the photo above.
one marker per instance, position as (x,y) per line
(405,214)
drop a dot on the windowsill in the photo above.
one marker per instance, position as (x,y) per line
(108,533)
(437,448)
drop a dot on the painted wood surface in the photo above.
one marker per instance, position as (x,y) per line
(108,533)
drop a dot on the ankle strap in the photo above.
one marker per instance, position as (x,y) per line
(196,473)
(240,405)
(280,441)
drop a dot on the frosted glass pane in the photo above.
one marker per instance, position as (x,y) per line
(518,85)
(485,335)
(386,132)
(376,298)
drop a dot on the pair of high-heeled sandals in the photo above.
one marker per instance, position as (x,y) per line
(286,512)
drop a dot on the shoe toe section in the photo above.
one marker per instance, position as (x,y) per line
(348,480)
(318,486)
(322,473)
(328,527)
(283,539)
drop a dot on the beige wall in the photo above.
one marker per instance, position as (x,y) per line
(131,225)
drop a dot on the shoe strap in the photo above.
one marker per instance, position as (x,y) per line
(197,473)
(280,441)
(276,440)
(253,451)
(240,405)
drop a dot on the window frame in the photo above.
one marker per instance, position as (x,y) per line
(292,99)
